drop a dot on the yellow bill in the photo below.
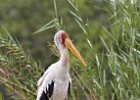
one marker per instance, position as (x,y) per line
(70,45)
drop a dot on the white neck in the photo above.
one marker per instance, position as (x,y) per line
(64,59)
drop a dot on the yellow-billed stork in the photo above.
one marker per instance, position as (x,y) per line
(56,81)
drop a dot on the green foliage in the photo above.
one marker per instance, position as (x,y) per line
(17,69)
(109,42)
(114,72)
(1,97)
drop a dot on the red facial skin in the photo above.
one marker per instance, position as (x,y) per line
(64,36)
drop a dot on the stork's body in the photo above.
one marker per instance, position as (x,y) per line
(56,81)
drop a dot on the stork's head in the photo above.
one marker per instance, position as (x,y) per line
(62,41)
(59,39)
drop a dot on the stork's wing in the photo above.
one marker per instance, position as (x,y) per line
(49,91)
(46,85)
(69,89)
(69,86)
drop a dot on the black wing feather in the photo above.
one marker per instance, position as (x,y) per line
(44,96)
(49,91)
(69,87)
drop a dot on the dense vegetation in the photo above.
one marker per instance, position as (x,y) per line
(105,32)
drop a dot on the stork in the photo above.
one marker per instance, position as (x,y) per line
(55,84)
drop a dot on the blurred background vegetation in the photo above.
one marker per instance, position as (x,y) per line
(106,32)
(23,17)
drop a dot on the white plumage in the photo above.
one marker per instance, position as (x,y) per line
(56,81)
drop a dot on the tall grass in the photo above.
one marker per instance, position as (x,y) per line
(18,71)
(113,71)
(1,96)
